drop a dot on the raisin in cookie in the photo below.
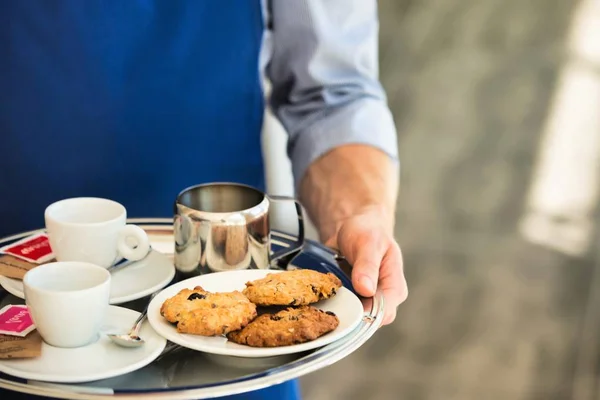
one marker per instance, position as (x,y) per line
(292,288)
(287,327)
(199,312)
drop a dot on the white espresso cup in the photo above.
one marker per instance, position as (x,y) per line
(93,230)
(68,301)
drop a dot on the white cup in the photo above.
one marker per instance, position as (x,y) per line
(93,230)
(67,301)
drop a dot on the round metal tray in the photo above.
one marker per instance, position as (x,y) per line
(180,373)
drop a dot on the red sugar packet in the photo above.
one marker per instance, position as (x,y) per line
(34,249)
(15,321)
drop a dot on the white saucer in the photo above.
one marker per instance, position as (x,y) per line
(100,360)
(345,305)
(130,283)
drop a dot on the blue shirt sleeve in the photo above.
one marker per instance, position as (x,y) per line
(324,75)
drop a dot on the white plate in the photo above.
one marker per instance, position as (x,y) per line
(130,283)
(345,305)
(99,360)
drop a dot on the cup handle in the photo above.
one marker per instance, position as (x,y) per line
(142,243)
(282,257)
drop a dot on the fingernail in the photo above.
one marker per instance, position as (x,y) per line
(367,283)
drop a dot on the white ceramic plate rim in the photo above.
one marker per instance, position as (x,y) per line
(6,368)
(9,285)
(168,331)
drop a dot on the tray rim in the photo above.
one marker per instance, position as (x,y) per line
(312,362)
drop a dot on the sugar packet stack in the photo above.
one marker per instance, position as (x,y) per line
(18,337)
(19,257)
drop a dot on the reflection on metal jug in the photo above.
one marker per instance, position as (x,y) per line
(188,249)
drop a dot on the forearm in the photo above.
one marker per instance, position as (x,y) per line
(346,180)
(327,95)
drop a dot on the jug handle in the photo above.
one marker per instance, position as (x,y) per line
(284,256)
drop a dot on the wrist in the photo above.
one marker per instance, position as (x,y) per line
(379,213)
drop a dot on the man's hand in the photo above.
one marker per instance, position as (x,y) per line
(375,256)
(350,193)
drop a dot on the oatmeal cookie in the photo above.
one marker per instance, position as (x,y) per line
(287,327)
(199,312)
(292,288)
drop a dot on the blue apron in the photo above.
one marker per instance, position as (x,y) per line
(130,100)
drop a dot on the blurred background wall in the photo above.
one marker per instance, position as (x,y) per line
(497,104)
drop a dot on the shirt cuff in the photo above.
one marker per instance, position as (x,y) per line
(367,121)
